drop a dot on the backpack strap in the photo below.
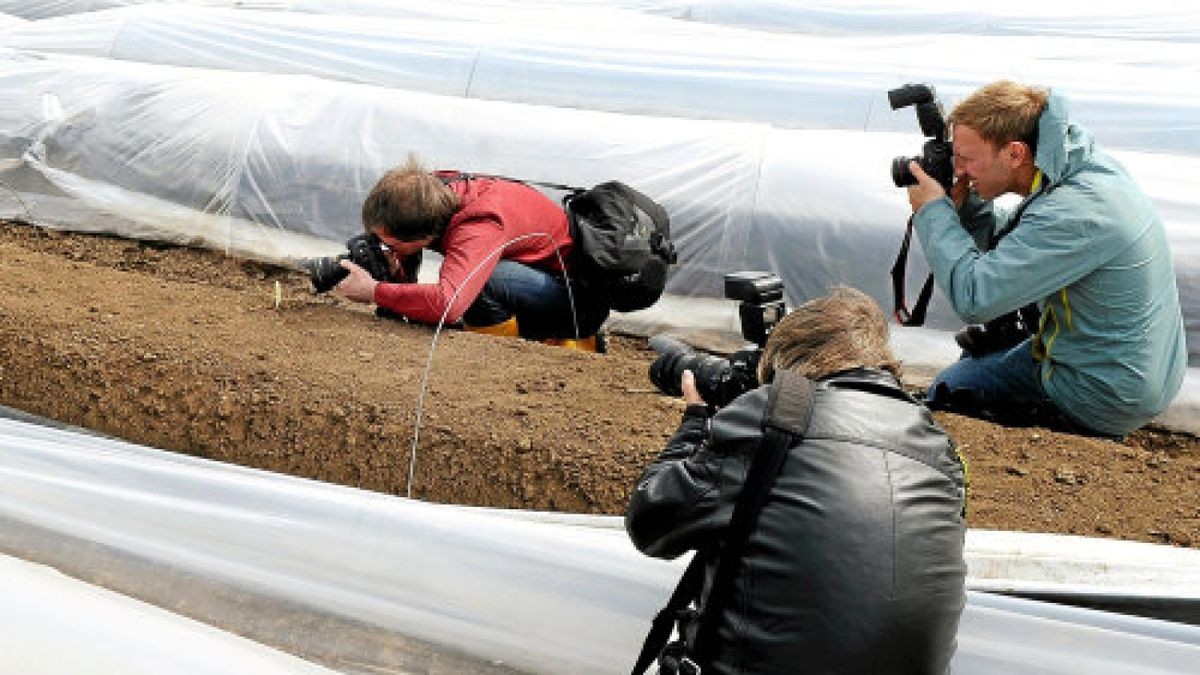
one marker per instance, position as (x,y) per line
(463,175)
(788,412)
(688,589)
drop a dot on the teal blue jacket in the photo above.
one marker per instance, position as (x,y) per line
(1091,251)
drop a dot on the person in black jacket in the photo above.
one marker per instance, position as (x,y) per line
(856,562)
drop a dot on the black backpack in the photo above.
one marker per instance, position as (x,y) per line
(623,247)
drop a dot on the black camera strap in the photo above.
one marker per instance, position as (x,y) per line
(464,176)
(904,316)
(788,412)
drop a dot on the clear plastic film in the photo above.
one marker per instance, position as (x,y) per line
(43,9)
(276,166)
(1126,91)
(1153,20)
(46,613)
(513,591)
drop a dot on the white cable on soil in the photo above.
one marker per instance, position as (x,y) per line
(412,458)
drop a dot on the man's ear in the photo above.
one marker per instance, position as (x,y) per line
(1017,153)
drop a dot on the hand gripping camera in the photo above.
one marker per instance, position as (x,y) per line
(937,155)
(365,250)
(719,380)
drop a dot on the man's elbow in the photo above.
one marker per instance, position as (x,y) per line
(972,306)
(451,313)
(641,539)
(976,312)
(653,544)
(647,527)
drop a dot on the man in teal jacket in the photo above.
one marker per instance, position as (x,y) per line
(1085,244)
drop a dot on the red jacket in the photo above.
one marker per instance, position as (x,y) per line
(493,213)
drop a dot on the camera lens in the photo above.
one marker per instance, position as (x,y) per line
(325,273)
(667,368)
(711,372)
(901,175)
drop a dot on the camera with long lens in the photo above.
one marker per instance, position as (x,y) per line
(365,250)
(937,155)
(720,380)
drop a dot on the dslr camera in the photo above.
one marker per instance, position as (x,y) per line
(1003,332)
(719,380)
(937,155)
(365,250)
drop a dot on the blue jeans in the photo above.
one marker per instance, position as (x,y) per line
(539,300)
(1007,376)
(1004,376)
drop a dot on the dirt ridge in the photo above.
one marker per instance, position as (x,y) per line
(186,350)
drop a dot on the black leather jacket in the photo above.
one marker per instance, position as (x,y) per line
(856,564)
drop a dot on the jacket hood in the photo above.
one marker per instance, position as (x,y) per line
(1063,147)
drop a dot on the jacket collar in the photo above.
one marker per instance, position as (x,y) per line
(869,379)
(1063,147)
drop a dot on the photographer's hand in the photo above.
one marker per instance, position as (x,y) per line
(359,286)
(687,384)
(926,190)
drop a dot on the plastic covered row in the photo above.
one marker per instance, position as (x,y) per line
(276,166)
(1127,92)
(282,559)
(1150,20)
(46,612)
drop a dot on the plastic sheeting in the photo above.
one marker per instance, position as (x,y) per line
(1150,20)
(47,615)
(1118,576)
(468,10)
(1127,94)
(169,147)
(277,166)
(41,9)
(543,597)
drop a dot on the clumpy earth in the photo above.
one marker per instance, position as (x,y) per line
(196,352)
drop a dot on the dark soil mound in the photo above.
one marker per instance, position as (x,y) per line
(187,350)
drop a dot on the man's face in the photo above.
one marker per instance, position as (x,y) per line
(990,171)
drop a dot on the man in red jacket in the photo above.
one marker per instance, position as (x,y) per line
(504,246)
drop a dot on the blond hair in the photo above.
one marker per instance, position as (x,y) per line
(840,331)
(410,203)
(1002,112)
